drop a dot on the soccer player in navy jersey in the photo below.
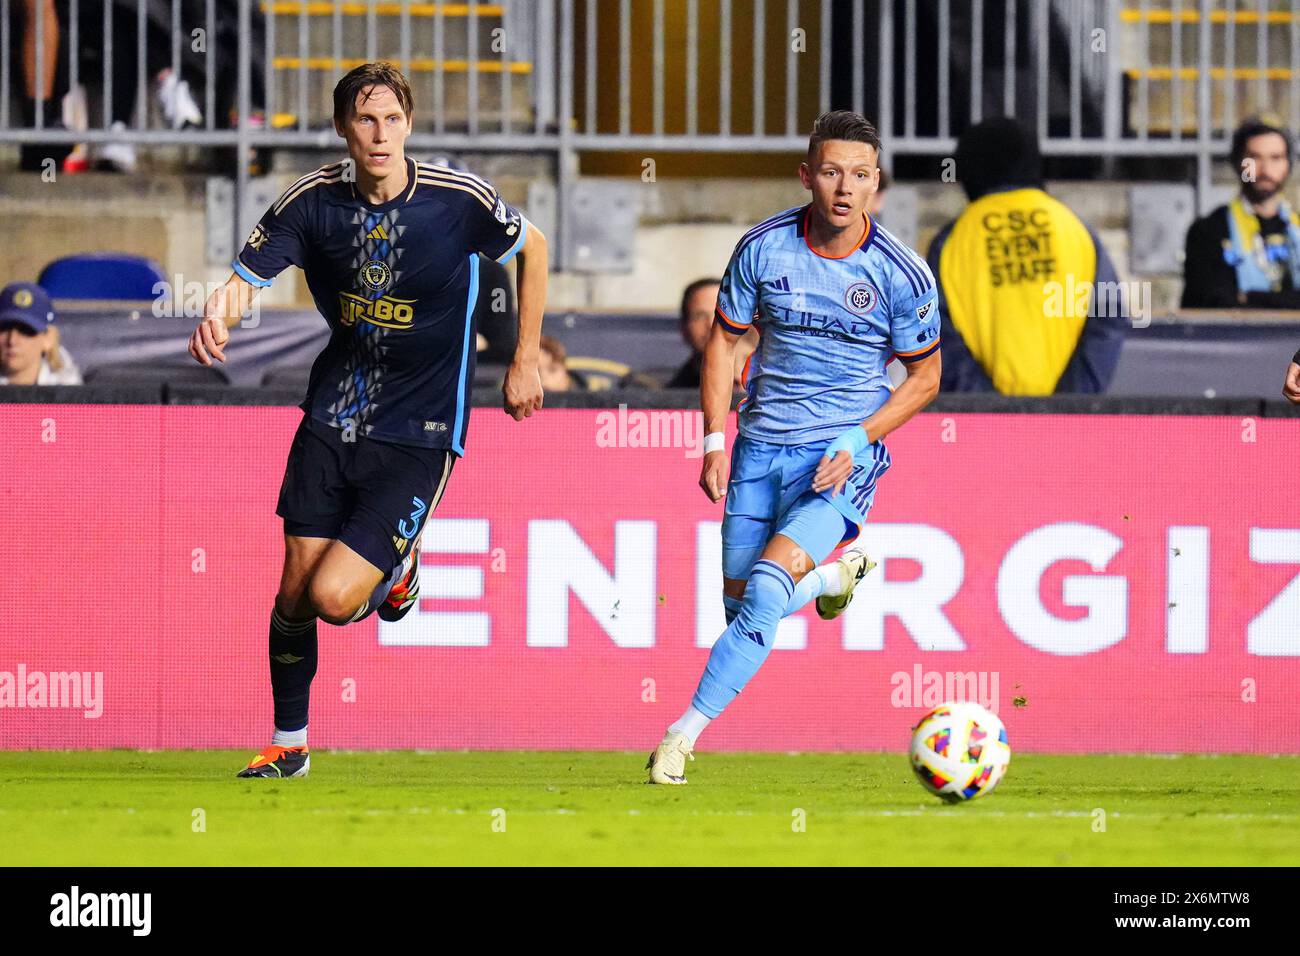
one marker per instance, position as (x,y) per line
(390,250)
(834,297)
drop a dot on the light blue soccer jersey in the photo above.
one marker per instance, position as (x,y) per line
(828,327)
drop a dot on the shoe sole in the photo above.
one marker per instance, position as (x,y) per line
(300,772)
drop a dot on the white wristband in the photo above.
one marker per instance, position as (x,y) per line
(715,441)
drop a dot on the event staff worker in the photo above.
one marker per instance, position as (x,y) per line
(1247,254)
(1030,302)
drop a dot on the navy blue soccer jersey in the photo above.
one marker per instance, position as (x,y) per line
(397,284)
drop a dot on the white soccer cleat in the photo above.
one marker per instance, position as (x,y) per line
(667,764)
(852,566)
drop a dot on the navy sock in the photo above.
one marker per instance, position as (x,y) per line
(293,665)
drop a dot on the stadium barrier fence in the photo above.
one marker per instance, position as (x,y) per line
(1095,77)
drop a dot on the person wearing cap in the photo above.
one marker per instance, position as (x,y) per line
(30,353)
(1030,302)
(1246,254)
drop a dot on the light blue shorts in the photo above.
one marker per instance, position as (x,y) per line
(770,493)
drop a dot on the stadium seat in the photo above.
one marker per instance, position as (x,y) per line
(596,374)
(128,374)
(102,275)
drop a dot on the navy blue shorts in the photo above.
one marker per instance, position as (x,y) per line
(374,496)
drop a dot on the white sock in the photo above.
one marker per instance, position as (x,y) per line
(691,723)
(830,575)
(289,738)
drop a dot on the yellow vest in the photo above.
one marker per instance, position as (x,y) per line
(1017,270)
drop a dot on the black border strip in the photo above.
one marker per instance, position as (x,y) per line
(213,394)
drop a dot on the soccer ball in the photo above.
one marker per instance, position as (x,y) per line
(959,751)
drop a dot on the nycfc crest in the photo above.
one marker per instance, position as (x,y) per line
(860,298)
(376,275)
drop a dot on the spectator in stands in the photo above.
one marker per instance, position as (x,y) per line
(554,373)
(876,204)
(30,353)
(174,92)
(41,93)
(1247,254)
(1029,300)
(699,300)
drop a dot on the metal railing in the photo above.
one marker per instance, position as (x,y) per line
(1101,78)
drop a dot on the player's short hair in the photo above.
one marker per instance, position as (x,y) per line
(1256,126)
(366,77)
(690,290)
(846,125)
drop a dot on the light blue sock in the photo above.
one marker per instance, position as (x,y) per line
(745,644)
(810,586)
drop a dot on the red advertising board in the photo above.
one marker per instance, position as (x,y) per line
(1105,583)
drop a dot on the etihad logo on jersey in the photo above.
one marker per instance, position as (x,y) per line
(839,325)
(386,312)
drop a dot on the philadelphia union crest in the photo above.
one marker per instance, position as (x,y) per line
(376,276)
(860,298)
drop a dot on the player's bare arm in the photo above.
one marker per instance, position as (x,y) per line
(917,391)
(717,377)
(523,384)
(223,311)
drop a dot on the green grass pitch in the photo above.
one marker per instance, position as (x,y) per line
(456,808)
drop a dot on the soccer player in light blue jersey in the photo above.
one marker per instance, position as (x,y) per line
(834,297)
